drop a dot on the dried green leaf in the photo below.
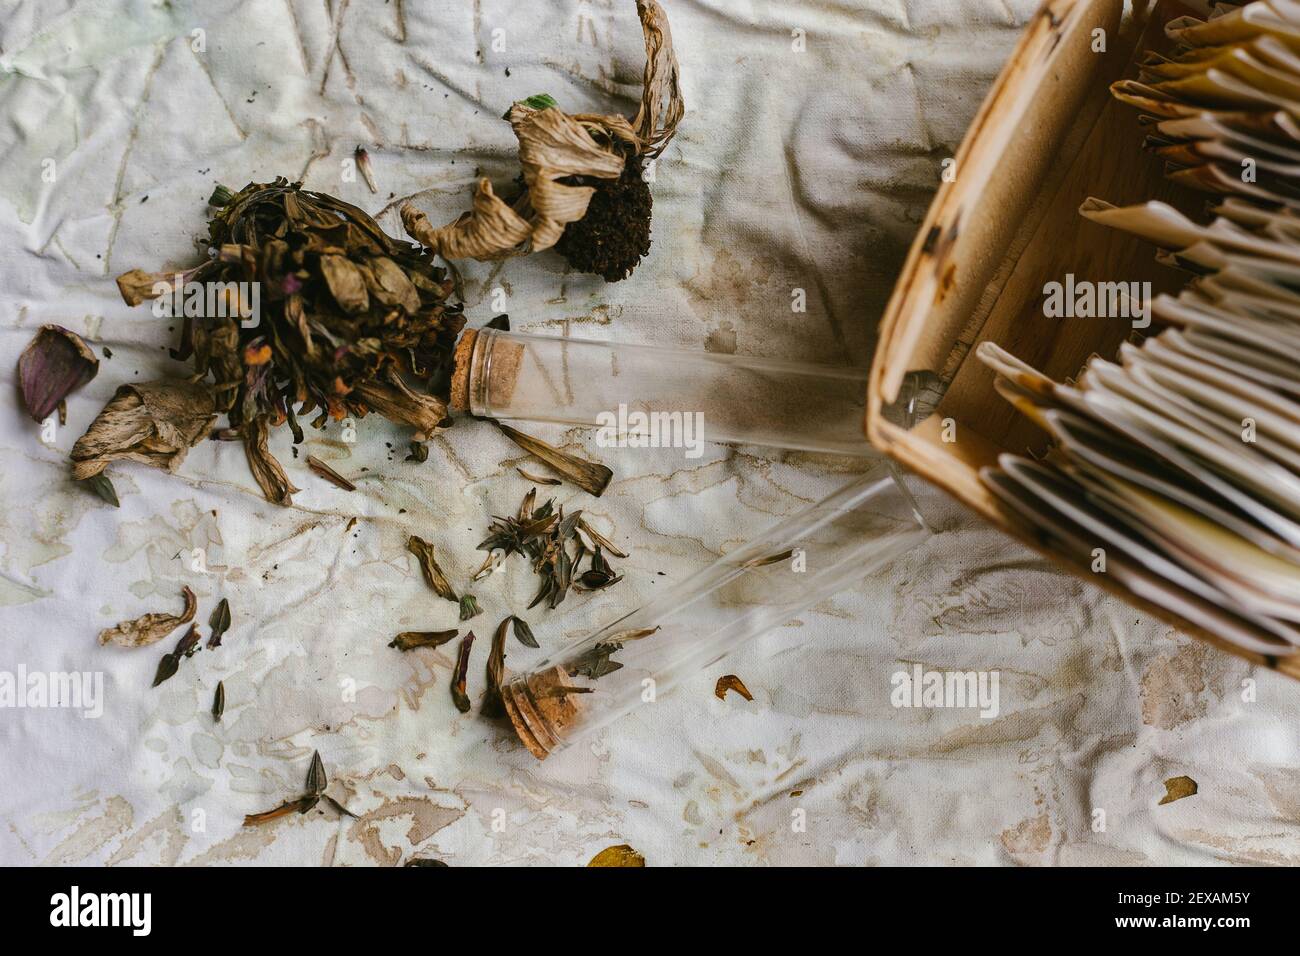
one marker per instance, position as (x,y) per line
(316,779)
(538,479)
(523,632)
(496,672)
(219,623)
(433,575)
(469,607)
(301,805)
(339,807)
(409,640)
(167,668)
(219,701)
(101,486)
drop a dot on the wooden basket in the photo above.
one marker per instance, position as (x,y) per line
(1048,136)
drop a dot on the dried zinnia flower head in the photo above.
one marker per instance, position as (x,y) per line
(575,166)
(343,319)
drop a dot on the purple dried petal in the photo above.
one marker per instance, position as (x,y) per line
(55,364)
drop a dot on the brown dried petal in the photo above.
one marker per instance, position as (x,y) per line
(54,365)
(155,423)
(731,682)
(1176,788)
(269,473)
(151,627)
(621,855)
(591,477)
(346,283)
(329,474)
(396,402)
(409,640)
(458,695)
(496,672)
(433,575)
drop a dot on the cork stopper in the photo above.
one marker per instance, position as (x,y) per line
(541,709)
(461,369)
(484,384)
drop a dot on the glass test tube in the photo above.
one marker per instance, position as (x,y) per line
(730,398)
(794,564)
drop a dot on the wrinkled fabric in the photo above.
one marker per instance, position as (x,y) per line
(794,169)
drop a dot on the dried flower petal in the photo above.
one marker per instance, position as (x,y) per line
(409,640)
(458,695)
(556,148)
(591,477)
(433,575)
(731,682)
(329,474)
(155,423)
(54,365)
(151,627)
(269,473)
(496,673)
(621,855)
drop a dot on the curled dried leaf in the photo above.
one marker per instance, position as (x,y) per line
(496,672)
(54,365)
(621,855)
(329,474)
(459,676)
(301,805)
(523,632)
(1176,788)
(433,575)
(151,627)
(267,471)
(591,477)
(538,479)
(409,640)
(155,423)
(555,149)
(731,682)
(219,702)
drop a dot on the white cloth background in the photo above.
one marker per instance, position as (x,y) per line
(792,169)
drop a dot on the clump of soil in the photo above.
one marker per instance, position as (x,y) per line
(614,235)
